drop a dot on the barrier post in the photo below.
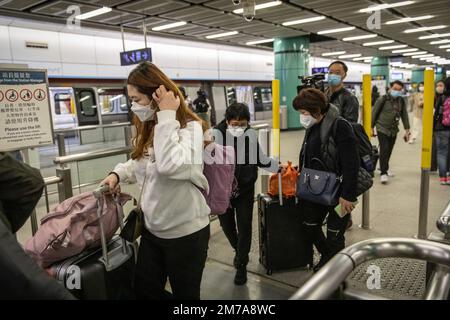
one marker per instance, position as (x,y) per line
(427,132)
(367,123)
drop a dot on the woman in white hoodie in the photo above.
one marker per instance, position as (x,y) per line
(167,163)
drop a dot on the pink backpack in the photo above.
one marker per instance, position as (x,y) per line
(73,226)
(446,113)
(219,165)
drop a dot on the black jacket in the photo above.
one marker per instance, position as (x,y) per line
(438,110)
(344,141)
(346,102)
(249,159)
(20,277)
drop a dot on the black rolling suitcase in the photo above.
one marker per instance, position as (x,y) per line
(282,241)
(104,273)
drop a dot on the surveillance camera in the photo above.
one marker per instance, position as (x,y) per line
(236,2)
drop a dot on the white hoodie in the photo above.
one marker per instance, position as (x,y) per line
(172,204)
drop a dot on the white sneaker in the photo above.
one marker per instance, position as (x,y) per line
(390,174)
(384,179)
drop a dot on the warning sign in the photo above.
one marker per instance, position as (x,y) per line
(25,118)
(26,95)
(39,94)
(12,95)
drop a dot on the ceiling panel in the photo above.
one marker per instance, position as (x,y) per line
(19,4)
(153,7)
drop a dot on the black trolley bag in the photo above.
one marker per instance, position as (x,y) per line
(282,241)
(105,273)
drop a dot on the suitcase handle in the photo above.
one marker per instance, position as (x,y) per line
(99,195)
(280,193)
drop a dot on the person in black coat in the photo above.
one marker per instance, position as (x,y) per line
(319,118)
(236,222)
(20,277)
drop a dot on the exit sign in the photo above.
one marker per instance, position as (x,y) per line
(135,56)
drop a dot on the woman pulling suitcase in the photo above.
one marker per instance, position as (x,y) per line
(337,153)
(167,163)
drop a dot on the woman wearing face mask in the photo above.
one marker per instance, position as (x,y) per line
(442,135)
(236,223)
(440,86)
(320,118)
(417,107)
(167,163)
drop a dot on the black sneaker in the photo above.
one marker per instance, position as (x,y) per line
(241,275)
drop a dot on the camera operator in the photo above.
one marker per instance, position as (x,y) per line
(201,105)
(346,102)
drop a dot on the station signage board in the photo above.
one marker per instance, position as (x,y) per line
(320,70)
(135,56)
(25,117)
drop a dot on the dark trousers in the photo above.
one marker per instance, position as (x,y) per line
(313,217)
(386,146)
(182,260)
(236,223)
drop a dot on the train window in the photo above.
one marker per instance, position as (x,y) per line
(112,101)
(87,103)
(63,103)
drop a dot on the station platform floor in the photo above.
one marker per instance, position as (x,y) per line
(394,212)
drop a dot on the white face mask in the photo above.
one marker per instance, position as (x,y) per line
(420,89)
(236,131)
(440,90)
(144,113)
(307,121)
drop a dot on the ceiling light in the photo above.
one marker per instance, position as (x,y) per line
(350,56)
(409,19)
(424,29)
(259,41)
(169,26)
(363,58)
(291,23)
(93,13)
(448,50)
(393,47)
(437,35)
(444,46)
(386,6)
(440,41)
(377,43)
(405,50)
(336,30)
(260,6)
(336,53)
(220,35)
(368,61)
(423,56)
(367,36)
(414,53)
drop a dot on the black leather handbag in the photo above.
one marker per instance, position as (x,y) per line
(321,187)
(135,221)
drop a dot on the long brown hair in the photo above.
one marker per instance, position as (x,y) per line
(147,77)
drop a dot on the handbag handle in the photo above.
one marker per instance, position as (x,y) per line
(308,185)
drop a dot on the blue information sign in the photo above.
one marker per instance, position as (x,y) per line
(320,70)
(135,56)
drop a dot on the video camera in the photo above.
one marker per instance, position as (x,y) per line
(314,81)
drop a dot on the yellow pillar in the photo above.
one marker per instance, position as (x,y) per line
(276,118)
(367,104)
(428,100)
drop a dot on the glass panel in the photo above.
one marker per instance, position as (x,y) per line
(112,101)
(87,103)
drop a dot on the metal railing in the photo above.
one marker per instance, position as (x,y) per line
(92,127)
(92,155)
(329,279)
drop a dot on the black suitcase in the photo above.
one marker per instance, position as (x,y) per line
(105,273)
(282,241)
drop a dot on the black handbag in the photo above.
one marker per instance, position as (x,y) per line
(134,223)
(321,187)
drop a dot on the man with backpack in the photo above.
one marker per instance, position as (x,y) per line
(386,115)
(338,95)
(442,133)
(236,222)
